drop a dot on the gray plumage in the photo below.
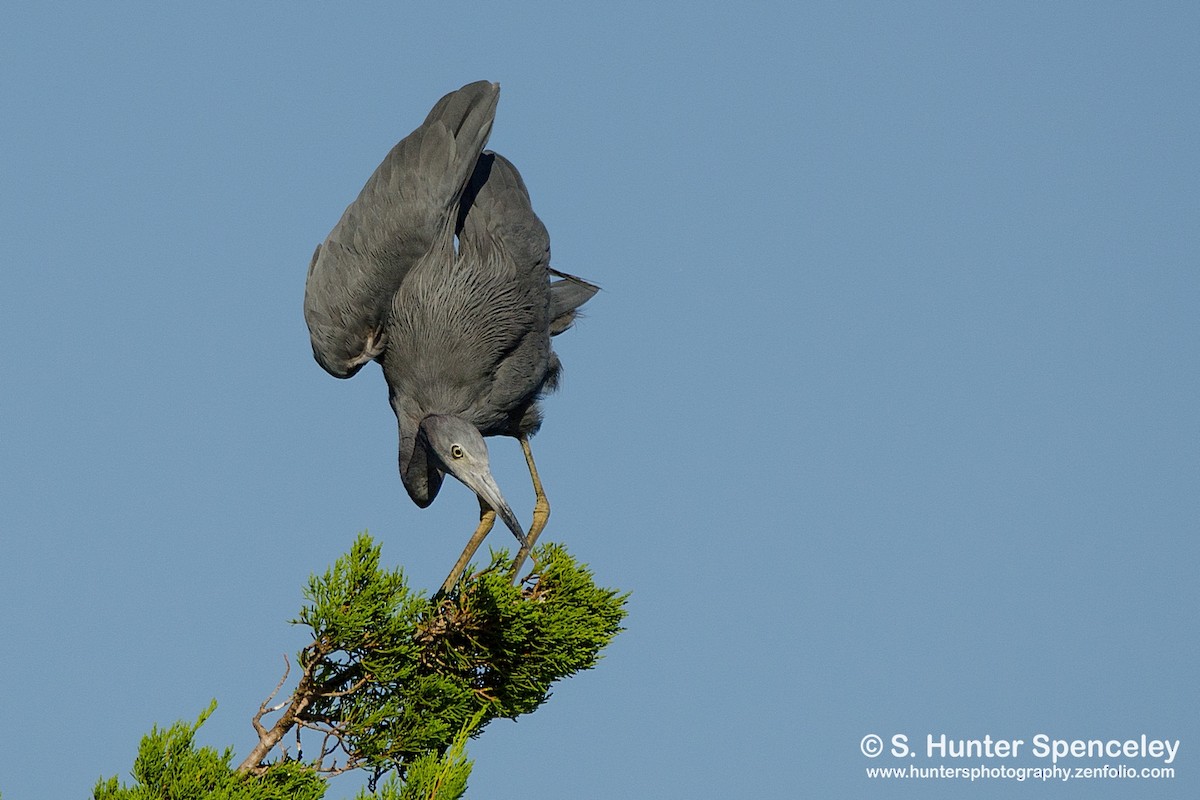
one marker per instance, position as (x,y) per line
(463,334)
(405,210)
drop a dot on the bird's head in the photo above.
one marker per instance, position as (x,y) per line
(458,448)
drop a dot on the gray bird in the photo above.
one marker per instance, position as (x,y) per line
(463,335)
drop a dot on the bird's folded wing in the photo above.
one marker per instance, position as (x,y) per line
(408,206)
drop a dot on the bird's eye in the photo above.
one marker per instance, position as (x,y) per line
(456,451)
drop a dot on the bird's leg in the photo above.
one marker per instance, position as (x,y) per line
(487,518)
(541,510)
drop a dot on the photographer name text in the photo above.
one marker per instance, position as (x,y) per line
(1040,745)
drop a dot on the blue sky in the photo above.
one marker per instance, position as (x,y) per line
(888,414)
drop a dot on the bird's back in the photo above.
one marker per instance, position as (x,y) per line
(471,337)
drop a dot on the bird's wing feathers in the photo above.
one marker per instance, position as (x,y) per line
(407,206)
(500,235)
(496,209)
(496,213)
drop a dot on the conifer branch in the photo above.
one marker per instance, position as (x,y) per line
(394,683)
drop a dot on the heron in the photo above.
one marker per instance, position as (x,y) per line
(440,271)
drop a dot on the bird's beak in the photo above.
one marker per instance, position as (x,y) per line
(483,484)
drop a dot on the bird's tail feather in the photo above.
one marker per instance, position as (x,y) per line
(566,296)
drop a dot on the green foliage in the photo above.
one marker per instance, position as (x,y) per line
(431,776)
(506,644)
(169,766)
(401,675)
(395,682)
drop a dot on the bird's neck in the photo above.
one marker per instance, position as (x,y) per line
(418,471)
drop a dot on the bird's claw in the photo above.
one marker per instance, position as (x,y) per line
(373,348)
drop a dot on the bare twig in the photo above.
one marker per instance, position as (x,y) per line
(361,683)
(262,707)
(293,709)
